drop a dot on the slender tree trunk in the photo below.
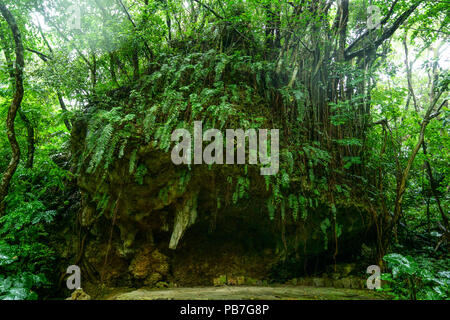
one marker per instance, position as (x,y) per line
(94,72)
(28,125)
(14,107)
(112,69)
(106,35)
(58,92)
(64,109)
(433,184)
(408,66)
(30,139)
(149,52)
(135,62)
(403,177)
(168,20)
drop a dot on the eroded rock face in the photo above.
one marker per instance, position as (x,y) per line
(150,265)
(168,227)
(79,294)
(185,216)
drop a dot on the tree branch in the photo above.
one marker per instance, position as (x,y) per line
(386,34)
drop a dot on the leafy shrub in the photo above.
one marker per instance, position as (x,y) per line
(25,255)
(18,286)
(415,279)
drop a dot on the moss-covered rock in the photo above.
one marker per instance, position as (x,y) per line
(149,220)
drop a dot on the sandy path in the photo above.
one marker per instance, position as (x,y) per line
(280,292)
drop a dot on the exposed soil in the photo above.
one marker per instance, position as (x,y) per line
(276,292)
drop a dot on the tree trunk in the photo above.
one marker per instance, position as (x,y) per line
(29,126)
(403,178)
(433,185)
(30,139)
(14,107)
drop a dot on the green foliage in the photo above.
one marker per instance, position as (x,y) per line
(26,256)
(141,171)
(242,189)
(20,286)
(416,278)
(134,74)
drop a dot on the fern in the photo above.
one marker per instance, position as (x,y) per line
(100,148)
(141,171)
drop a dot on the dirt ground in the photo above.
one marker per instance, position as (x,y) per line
(280,292)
